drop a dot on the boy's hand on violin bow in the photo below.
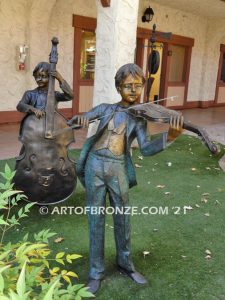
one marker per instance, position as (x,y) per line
(176,127)
(79,120)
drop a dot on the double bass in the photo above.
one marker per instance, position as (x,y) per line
(44,171)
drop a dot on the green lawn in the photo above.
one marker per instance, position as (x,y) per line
(176,267)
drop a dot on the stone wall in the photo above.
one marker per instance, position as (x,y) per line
(34,23)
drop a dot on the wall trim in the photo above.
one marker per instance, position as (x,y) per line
(13,116)
(84,22)
(175,39)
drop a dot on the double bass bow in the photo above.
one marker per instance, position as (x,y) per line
(43,170)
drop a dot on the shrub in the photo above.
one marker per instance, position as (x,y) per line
(26,269)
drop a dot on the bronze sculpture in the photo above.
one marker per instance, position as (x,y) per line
(43,170)
(105,166)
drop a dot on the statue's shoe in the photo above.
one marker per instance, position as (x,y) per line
(135,276)
(93,285)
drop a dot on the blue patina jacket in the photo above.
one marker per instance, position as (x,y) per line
(38,98)
(135,128)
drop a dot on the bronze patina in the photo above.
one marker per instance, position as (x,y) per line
(105,167)
(43,170)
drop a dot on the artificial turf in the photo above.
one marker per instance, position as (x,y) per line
(184,188)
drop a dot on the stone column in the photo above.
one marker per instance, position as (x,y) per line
(115,45)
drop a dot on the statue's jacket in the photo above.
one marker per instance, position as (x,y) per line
(38,98)
(136,127)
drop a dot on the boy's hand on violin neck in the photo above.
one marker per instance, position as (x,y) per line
(79,120)
(176,127)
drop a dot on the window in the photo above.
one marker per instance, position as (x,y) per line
(176,72)
(87,63)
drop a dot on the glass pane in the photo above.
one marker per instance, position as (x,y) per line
(87,62)
(177,63)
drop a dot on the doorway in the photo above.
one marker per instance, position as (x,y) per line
(172,77)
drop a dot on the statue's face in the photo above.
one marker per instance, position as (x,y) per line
(131,89)
(42,78)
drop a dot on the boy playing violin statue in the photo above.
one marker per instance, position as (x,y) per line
(105,167)
(34,101)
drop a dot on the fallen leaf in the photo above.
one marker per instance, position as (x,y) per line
(146,253)
(198,186)
(208,257)
(205,194)
(197,205)
(159,186)
(208,252)
(140,157)
(138,166)
(207,214)
(149,182)
(208,168)
(193,169)
(167,193)
(155,229)
(217,202)
(59,240)
(204,200)
(169,164)
(111,226)
(217,169)
(183,256)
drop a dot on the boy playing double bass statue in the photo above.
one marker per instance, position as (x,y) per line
(105,166)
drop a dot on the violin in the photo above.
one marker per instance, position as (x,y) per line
(157,113)
(43,169)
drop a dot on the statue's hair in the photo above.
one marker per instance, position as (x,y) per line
(45,66)
(126,70)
